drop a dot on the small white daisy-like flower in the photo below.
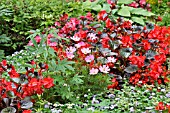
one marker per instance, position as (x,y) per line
(104,69)
(85,50)
(93,71)
(75,38)
(92,36)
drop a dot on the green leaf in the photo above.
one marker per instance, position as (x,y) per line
(138,20)
(114,44)
(9,110)
(124,12)
(114,11)
(125,52)
(26,104)
(51,51)
(11,94)
(140,11)
(131,69)
(97,7)
(125,1)
(16,80)
(106,7)
(77,80)
(34,42)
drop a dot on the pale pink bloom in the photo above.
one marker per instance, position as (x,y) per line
(80,44)
(85,50)
(92,36)
(30,43)
(93,71)
(52,44)
(89,58)
(71,49)
(57,24)
(70,55)
(104,69)
(75,38)
(111,59)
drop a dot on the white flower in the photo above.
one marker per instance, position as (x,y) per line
(111,59)
(93,71)
(89,58)
(85,50)
(92,36)
(104,69)
(70,55)
(71,49)
(75,38)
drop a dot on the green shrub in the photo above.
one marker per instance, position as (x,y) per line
(18,17)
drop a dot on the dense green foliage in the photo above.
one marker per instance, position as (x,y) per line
(18,17)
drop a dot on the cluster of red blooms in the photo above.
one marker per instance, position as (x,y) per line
(88,42)
(23,85)
(162,106)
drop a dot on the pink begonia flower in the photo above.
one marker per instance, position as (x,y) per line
(110,1)
(57,24)
(89,58)
(75,38)
(142,2)
(70,55)
(104,69)
(93,71)
(71,49)
(92,36)
(85,50)
(80,44)
(134,4)
(111,59)
(38,39)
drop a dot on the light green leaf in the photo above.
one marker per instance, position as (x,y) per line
(106,7)
(9,110)
(97,7)
(114,11)
(138,20)
(51,51)
(124,12)
(140,11)
(125,1)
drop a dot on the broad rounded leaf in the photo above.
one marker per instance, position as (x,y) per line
(16,80)
(131,69)
(125,52)
(9,110)
(140,11)
(11,94)
(106,7)
(114,11)
(26,104)
(138,20)
(97,7)
(124,12)
(114,44)
(150,54)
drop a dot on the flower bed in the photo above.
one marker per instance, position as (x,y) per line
(100,63)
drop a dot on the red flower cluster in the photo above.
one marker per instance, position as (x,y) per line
(162,106)
(98,42)
(23,85)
